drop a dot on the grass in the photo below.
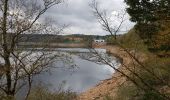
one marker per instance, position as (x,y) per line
(127,92)
(160,66)
(42,93)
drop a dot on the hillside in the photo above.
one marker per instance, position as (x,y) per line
(121,88)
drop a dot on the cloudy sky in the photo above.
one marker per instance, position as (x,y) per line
(78,15)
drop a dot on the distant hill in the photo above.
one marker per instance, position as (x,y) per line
(52,38)
(40,38)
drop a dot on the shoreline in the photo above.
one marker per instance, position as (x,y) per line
(109,87)
(52,45)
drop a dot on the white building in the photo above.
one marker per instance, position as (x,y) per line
(99,41)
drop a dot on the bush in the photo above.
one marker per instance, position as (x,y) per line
(150,95)
(131,40)
(42,93)
(127,91)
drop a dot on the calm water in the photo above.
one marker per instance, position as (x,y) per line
(78,76)
(84,75)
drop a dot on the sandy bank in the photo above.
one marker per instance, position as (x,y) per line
(110,86)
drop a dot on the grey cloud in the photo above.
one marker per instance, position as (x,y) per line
(79,15)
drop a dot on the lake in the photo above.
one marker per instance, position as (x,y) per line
(84,75)
(79,75)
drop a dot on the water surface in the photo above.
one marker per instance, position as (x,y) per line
(84,75)
(79,75)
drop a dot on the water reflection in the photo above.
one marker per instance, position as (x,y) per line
(84,75)
(79,75)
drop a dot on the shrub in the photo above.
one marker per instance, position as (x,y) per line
(42,93)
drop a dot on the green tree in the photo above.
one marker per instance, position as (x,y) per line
(147,11)
(150,16)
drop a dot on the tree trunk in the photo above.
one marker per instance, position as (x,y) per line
(6,53)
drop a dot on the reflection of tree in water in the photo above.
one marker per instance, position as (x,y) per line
(99,57)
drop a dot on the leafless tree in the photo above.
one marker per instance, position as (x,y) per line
(105,23)
(18,17)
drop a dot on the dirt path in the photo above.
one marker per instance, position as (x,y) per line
(110,86)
